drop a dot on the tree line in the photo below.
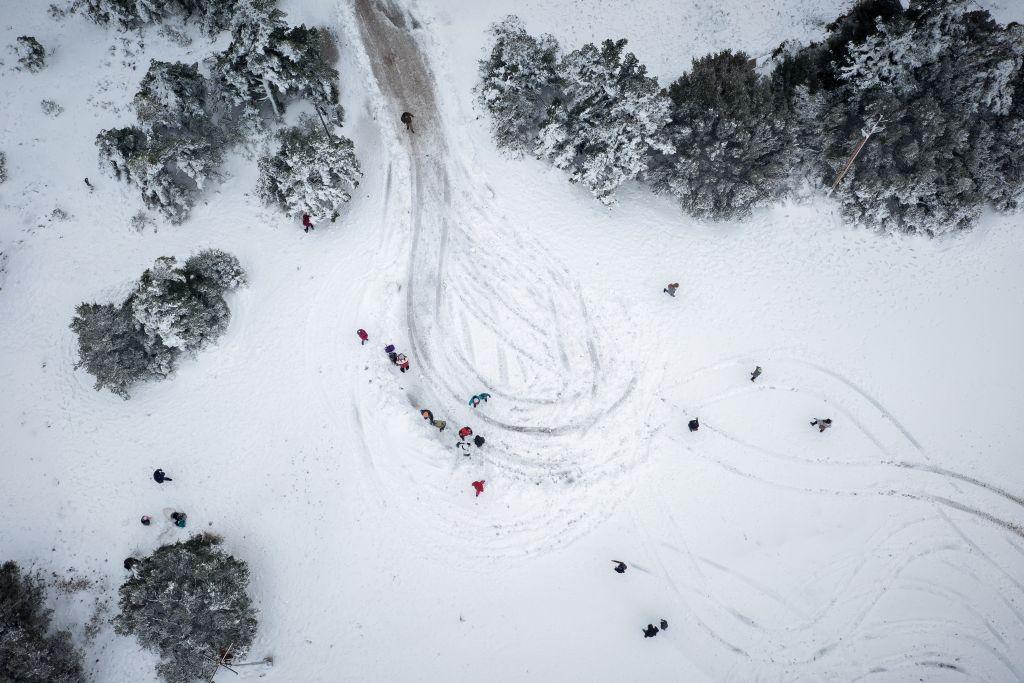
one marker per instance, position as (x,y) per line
(930,99)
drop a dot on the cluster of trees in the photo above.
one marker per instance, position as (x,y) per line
(940,85)
(186,601)
(30,650)
(171,310)
(186,118)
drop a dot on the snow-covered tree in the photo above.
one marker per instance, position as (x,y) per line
(212,15)
(943,77)
(177,311)
(3,167)
(112,349)
(518,83)
(730,139)
(312,171)
(31,55)
(215,268)
(610,117)
(29,651)
(171,98)
(188,602)
(268,61)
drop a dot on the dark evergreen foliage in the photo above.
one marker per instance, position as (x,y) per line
(31,55)
(29,651)
(188,602)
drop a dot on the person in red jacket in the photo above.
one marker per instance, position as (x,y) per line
(362,336)
(479,486)
(307,222)
(464,432)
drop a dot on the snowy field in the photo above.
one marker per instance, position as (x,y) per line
(890,547)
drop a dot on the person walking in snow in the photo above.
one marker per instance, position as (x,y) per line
(664,625)
(146,521)
(464,446)
(179,519)
(393,357)
(159,477)
(89,185)
(650,631)
(404,365)
(363,337)
(307,222)
(427,415)
(476,400)
(479,486)
(440,424)
(822,424)
(671,288)
(620,567)
(407,120)
(389,349)
(464,432)
(478,440)
(694,425)
(756,373)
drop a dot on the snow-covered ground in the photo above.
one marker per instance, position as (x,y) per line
(890,546)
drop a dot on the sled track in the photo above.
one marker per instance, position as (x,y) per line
(891,560)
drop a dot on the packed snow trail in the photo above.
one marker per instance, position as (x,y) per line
(487,310)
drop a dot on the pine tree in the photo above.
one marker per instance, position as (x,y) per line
(729,132)
(944,76)
(31,55)
(518,83)
(173,311)
(312,172)
(188,603)
(611,116)
(269,62)
(113,350)
(29,651)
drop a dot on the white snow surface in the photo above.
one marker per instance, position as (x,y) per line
(889,547)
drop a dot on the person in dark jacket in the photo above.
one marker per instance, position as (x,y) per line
(478,440)
(694,425)
(179,519)
(407,120)
(664,625)
(159,477)
(756,373)
(671,289)
(146,521)
(620,567)
(822,423)
(307,222)
(650,631)
(130,563)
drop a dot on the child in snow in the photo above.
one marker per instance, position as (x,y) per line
(440,424)
(159,477)
(620,567)
(694,425)
(464,432)
(478,440)
(650,631)
(671,289)
(479,486)
(146,521)
(307,222)
(363,337)
(822,424)
(179,519)
(756,373)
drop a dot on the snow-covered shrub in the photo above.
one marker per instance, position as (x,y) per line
(610,116)
(172,310)
(518,82)
(729,134)
(268,61)
(31,55)
(51,108)
(3,167)
(216,268)
(115,351)
(312,171)
(29,651)
(945,80)
(188,602)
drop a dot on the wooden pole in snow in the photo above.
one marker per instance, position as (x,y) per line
(875,127)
